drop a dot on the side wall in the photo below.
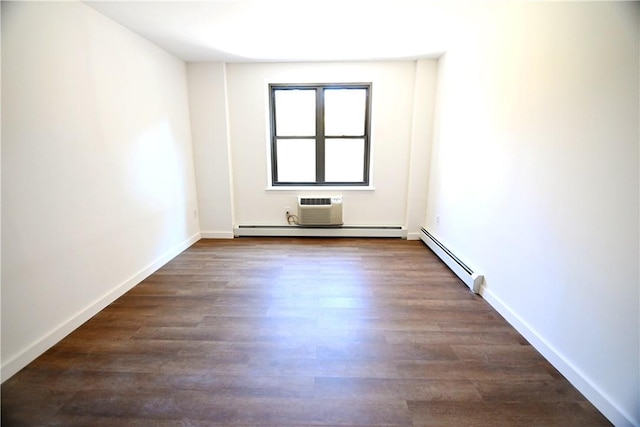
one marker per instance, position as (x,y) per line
(534,181)
(98,186)
(210,133)
(422,123)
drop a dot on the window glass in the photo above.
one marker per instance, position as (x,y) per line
(295,112)
(344,160)
(296,160)
(344,111)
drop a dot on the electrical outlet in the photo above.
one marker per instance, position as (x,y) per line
(287,209)
(437,219)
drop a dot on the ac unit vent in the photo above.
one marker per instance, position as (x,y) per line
(320,211)
(310,201)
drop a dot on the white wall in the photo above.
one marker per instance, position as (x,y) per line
(535,181)
(534,170)
(421,141)
(392,95)
(98,185)
(210,133)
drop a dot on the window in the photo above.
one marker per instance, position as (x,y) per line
(320,134)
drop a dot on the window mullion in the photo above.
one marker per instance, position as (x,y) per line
(274,136)
(367,136)
(320,135)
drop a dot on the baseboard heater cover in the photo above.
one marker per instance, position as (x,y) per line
(320,231)
(471,278)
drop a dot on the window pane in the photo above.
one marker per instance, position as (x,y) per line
(295,112)
(296,160)
(344,112)
(344,160)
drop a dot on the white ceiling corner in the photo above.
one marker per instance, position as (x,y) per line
(287,30)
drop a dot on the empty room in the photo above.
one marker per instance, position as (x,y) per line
(303,213)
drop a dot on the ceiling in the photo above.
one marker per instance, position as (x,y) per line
(290,30)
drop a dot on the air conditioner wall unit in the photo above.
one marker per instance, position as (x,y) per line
(320,211)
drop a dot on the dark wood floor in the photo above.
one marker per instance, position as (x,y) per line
(296,332)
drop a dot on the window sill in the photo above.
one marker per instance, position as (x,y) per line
(320,188)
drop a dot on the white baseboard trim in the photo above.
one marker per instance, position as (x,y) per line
(216,234)
(413,236)
(16,363)
(591,391)
(343,231)
(468,275)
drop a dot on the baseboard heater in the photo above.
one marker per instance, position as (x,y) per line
(320,231)
(471,278)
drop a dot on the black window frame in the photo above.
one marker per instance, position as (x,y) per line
(319,137)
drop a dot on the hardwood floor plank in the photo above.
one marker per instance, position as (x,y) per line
(481,414)
(406,389)
(527,391)
(296,332)
(503,370)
